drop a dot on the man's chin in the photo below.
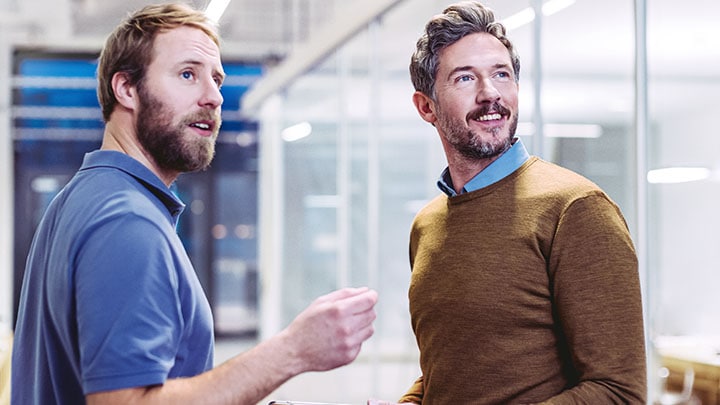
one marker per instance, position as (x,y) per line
(199,165)
(485,151)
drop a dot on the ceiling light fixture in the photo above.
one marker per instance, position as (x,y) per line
(527,15)
(215,9)
(296,132)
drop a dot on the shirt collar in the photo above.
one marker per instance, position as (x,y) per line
(503,166)
(145,176)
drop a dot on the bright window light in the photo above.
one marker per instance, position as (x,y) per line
(296,132)
(677,175)
(215,9)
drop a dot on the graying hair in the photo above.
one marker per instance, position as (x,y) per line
(455,22)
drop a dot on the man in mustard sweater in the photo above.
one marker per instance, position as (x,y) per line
(525,285)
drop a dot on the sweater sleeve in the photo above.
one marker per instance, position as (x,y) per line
(596,290)
(414,394)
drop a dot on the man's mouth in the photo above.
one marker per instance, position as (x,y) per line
(488,117)
(489,113)
(201,125)
(205,127)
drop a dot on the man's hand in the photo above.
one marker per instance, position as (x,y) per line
(330,332)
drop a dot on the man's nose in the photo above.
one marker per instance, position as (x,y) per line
(212,97)
(487,91)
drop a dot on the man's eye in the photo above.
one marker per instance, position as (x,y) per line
(464,78)
(187,75)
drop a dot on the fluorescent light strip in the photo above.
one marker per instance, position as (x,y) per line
(215,9)
(671,175)
(527,15)
(519,19)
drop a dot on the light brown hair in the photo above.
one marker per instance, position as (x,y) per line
(129,48)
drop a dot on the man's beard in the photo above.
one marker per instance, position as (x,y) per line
(471,144)
(167,143)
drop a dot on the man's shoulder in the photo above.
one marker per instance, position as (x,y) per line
(100,185)
(435,204)
(100,196)
(552,176)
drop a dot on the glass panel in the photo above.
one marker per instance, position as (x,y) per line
(235,253)
(684,92)
(588,95)
(310,215)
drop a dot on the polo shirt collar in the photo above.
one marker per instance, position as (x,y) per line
(125,163)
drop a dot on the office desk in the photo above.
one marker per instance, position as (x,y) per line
(700,353)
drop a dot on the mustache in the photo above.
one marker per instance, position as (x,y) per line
(486,109)
(203,115)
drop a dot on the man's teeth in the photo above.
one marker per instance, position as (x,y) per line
(489,117)
(201,125)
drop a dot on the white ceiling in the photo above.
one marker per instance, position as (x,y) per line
(250,28)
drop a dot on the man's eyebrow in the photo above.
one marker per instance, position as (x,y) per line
(459,69)
(189,62)
(469,68)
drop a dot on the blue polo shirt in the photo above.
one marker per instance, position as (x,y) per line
(110,299)
(502,167)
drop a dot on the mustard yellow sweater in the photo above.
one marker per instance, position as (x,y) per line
(526,291)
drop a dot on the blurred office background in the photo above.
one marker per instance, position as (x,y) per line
(323,161)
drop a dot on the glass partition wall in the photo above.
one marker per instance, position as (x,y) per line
(683,192)
(346,163)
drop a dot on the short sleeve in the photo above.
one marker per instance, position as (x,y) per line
(127,307)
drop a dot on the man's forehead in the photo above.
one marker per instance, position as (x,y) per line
(475,47)
(185,43)
(185,38)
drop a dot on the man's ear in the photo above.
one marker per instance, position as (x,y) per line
(125,93)
(425,107)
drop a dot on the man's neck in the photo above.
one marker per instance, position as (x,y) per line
(462,170)
(121,139)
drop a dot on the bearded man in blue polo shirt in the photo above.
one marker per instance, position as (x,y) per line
(111,310)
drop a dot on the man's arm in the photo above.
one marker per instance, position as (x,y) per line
(327,334)
(596,293)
